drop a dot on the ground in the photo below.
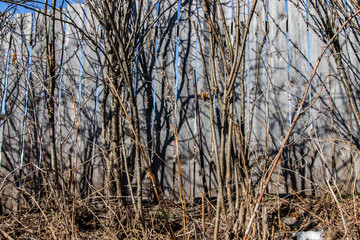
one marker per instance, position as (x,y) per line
(106,220)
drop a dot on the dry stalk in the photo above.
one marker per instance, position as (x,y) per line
(42,213)
(338,205)
(203,212)
(5,235)
(181,187)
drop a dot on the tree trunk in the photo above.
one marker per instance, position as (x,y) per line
(51,66)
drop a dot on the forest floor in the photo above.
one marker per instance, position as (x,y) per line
(278,219)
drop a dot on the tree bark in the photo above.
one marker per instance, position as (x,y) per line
(52,77)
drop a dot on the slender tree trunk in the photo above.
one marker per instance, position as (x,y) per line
(229,167)
(137,153)
(51,66)
(105,145)
(115,145)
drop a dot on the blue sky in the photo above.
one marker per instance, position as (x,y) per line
(3,7)
(19,9)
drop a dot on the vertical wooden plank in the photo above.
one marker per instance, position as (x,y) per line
(89,126)
(322,113)
(185,104)
(15,123)
(37,105)
(258,79)
(351,59)
(148,98)
(163,97)
(70,102)
(37,110)
(278,88)
(4,55)
(92,95)
(7,198)
(4,40)
(300,160)
(204,106)
(15,102)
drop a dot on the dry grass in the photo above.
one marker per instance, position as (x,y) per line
(98,219)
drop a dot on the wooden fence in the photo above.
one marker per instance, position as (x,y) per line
(283,45)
